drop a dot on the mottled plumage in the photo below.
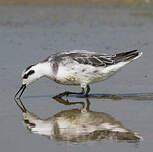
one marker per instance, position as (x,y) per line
(90,58)
(78,67)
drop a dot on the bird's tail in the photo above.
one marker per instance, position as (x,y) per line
(127,56)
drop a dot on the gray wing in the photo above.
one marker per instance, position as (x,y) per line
(94,59)
(84,57)
(104,59)
(81,57)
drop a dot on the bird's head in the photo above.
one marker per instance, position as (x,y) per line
(33,73)
(29,75)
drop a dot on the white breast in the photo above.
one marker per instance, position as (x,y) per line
(77,74)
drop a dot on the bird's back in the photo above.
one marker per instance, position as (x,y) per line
(83,67)
(95,59)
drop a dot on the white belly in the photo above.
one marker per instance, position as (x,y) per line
(85,74)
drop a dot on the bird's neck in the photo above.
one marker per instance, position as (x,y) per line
(43,69)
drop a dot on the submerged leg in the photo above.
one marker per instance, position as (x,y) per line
(66,93)
(87,91)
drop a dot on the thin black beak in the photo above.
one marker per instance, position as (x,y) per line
(22,90)
(20,104)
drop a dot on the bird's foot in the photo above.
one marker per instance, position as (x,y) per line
(66,93)
(86,95)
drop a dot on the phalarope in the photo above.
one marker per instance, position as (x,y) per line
(77,67)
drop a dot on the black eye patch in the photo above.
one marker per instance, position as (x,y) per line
(29,73)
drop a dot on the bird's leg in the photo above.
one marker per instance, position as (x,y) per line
(66,93)
(87,91)
(69,92)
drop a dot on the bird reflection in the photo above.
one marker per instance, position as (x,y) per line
(77,125)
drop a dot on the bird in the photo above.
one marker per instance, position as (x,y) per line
(76,67)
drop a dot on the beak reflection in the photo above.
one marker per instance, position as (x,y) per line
(78,125)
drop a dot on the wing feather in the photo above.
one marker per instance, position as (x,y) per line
(91,58)
(94,60)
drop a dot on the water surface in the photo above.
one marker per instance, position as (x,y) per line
(29,33)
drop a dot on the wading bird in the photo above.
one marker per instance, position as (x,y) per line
(77,67)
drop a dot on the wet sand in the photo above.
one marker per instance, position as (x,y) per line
(29,34)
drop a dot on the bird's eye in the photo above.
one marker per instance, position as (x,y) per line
(27,74)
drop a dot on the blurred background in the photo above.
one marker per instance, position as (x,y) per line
(31,30)
(110,2)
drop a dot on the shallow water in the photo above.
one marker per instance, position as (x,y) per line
(29,34)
